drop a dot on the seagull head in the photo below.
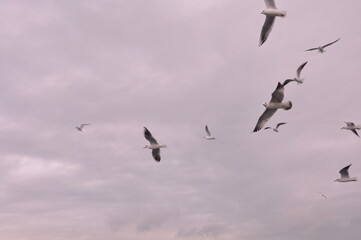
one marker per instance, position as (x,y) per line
(146,146)
(266,104)
(263,12)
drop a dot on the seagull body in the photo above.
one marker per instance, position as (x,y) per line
(276,128)
(352,127)
(321,49)
(208,136)
(345,177)
(273,106)
(271,13)
(80,128)
(153,145)
(298,78)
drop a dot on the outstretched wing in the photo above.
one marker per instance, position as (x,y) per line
(278,94)
(299,69)
(270,4)
(351,124)
(344,172)
(287,81)
(328,44)
(83,125)
(266,29)
(279,124)
(156,154)
(267,114)
(355,132)
(311,49)
(149,136)
(207,131)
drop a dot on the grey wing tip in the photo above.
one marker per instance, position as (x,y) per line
(256,129)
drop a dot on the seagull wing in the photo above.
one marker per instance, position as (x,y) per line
(267,114)
(311,49)
(287,81)
(355,132)
(156,154)
(267,128)
(344,172)
(351,124)
(278,94)
(299,69)
(279,124)
(270,4)
(149,136)
(266,29)
(83,125)
(207,131)
(328,44)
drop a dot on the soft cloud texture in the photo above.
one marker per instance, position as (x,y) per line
(175,66)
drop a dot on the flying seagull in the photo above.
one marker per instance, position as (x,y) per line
(323,195)
(321,49)
(276,128)
(208,136)
(80,128)
(271,13)
(298,78)
(351,126)
(345,177)
(272,106)
(153,145)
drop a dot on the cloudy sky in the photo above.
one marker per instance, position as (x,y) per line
(175,66)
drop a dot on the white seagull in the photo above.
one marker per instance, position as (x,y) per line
(351,126)
(80,128)
(321,49)
(345,177)
(276,128)
(153,145)
(271,13)
(208,136)
(298,78)
(272,106)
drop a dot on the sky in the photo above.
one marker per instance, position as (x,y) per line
(173,67)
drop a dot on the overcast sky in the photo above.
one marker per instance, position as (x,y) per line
(173,67)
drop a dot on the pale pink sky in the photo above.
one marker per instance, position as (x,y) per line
(175,66)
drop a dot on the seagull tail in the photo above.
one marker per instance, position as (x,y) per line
(287,105)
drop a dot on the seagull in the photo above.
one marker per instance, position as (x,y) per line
(321,48)
(345,177)
(298,79)
(271,13)
(272,106)
(80,128)
(275,129)
(153,145)
(323,195)
(208,136)
(351,126)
